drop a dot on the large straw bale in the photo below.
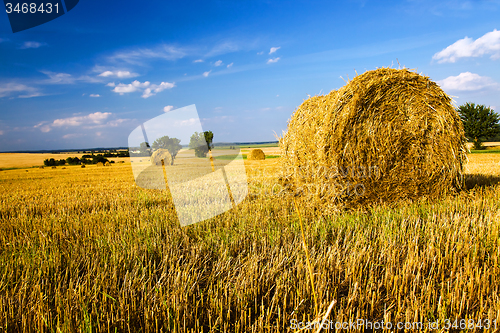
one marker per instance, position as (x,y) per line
(387,135)
(159,155)
(256,154)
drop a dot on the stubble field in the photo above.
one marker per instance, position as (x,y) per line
(87,250)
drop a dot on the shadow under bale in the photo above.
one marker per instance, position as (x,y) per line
(479,180)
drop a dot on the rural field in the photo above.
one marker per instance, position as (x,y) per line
(86,250)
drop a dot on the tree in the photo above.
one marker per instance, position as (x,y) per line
(199,144)
(145,149)
(171,144)
(480,123)
(209,137)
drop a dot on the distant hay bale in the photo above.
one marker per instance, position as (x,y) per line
(54,167)
(159,155)
(387,135)
(107,164)
(41,167)
(64,167)
(256,154)
(100,164)
(83,166)
(121,161)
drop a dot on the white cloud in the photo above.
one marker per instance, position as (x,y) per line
(467,82)
(205,74)
(260,53)
(154,89)
(12,88)
(31,45)
(95,95)
(95,118)
(119,74)
(467,48)
(199,60)
(218,63)
(230,65)
(132,87)
(274,49)
(271,61)
(147,88)
(111,84)
(168,108)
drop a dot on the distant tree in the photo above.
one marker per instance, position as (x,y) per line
(99,158)
(209,137)
(145,149)
(171,144)
(199,144)
(480,123)
(73,160)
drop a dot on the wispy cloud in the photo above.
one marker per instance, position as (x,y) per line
(218,63)
(95,95)
(198,60)
(118,74)
(3,40)
(205,74)
(139,55)
(230,65)
(22,90)
(147,88)
(260,53)
(271,61)
(467,48)
(224,48)
(467,82)
(274,49)
(84,122)
(58,78)
(168,108)
(31,45)
(65,78)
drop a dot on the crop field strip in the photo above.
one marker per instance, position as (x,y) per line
(87,250)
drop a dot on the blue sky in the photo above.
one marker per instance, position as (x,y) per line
(89,77)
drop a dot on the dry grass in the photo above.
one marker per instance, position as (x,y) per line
(87,250)
(386,135)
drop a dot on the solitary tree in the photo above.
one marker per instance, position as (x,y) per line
(480,123)
(198,142)
(209,137)
(171,144)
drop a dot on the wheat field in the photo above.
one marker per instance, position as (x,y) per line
(86,250)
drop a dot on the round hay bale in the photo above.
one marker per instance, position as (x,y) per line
(256,154)
(54,167)
(159,155)
(83,166)
(41,167)
(387,135)
(107,164)
(100,164)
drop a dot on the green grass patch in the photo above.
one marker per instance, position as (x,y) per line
(492,151)
(232,157)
